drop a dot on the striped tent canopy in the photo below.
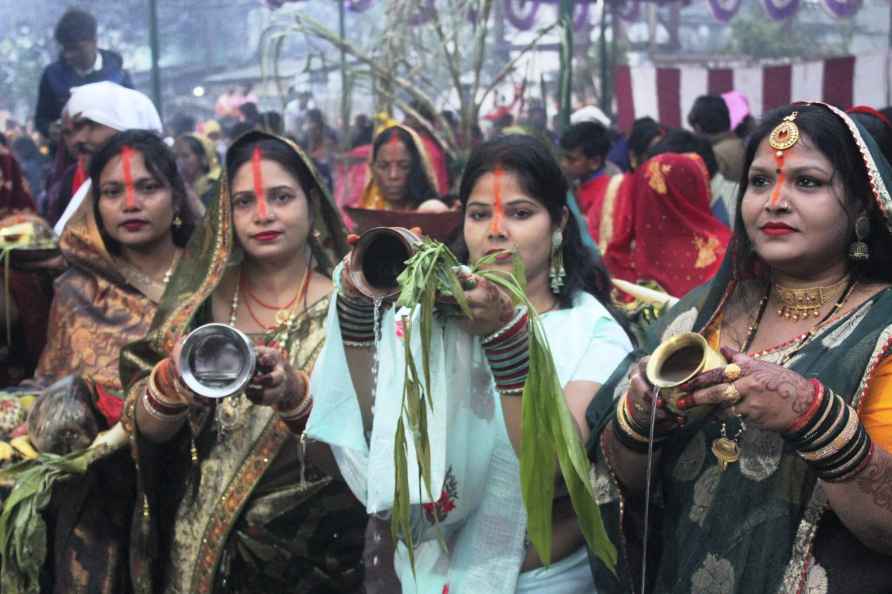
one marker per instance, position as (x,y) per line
(667,93)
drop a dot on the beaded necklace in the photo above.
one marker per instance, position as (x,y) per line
(285,315)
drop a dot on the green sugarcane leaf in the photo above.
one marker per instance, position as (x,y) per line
(520,274)
(537,468)
(401,523)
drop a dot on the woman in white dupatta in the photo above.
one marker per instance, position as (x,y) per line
(514,198)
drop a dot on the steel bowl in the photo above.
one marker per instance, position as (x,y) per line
(217,361)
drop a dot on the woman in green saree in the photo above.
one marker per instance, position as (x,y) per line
(784,486)
(232,501)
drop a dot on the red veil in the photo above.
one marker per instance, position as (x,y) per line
(668,234)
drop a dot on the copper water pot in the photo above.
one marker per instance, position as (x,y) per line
(378,258)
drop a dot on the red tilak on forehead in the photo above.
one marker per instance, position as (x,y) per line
(394,138)
(126,156)
(259,191)
(498,209)
(779,182)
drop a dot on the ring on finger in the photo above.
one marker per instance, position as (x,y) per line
(731,394)
(732,372)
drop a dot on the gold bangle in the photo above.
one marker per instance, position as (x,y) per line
(838,442)
(624,422)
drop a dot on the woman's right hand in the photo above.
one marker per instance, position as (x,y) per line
(642,397)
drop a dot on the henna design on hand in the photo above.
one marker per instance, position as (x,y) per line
(876,480)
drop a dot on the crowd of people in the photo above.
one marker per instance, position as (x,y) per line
(770,238)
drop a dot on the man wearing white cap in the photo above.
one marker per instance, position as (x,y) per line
(96,112)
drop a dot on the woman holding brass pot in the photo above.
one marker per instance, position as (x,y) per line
(234,498)
(771,471)
(514,199)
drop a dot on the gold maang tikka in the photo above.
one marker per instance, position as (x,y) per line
(784,136)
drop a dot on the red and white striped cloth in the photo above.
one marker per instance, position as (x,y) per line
(667,93)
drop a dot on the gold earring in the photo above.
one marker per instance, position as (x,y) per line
(858,250)
(177,222)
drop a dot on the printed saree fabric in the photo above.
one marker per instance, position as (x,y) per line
(101,303)
(371,196)
(668,234)
(474,468)
(241,505)
(764,524)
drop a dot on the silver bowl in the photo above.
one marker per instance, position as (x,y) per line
(217,360)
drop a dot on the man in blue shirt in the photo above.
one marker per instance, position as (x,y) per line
(81,62)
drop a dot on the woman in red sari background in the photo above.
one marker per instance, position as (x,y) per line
(667,233)
(29,299)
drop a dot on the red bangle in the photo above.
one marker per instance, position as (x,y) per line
(814,405)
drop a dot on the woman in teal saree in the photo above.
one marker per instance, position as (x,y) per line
(785,485)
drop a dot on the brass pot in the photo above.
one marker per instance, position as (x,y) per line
(378,258)
(677,361)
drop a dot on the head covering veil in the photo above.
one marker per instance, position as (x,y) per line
(371,196)
(212,248)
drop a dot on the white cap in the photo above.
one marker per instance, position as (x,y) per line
(589,113)
(114,106)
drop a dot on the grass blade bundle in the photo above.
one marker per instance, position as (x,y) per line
(550,436)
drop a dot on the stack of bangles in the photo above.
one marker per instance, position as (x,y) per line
(158,400)
(357,321)
(830,437)
(295,411)
(507,351)
(631,434)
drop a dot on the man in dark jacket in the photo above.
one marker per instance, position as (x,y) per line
(80,63)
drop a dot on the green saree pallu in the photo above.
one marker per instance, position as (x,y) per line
(763,525)
(235,502)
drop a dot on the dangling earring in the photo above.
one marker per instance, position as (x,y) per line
(557,273)
(859,251)
(177,222)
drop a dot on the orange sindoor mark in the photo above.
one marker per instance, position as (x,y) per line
(779,182)
(498,208)
(259,191)
(130,195)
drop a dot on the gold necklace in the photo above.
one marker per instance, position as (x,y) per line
(800,304)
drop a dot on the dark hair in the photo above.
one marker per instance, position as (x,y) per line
(684,141)
(182,123)
(830,135)
(240,128)
(249,112)
(418,187)
(591,137)
(746,125)
(160,162)
(197,149)
(76,25)
(643,132)
(710,113)
(879,129)
(540,175)
(274,150)
(272,122)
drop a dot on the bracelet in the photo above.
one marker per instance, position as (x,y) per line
(160,386)
(830,443)
(802,423)
(357,321)
(508,355)
(514,325)
(166,383)
(295,401)
(829,415)
(856,468)
(157,411)
(629,434)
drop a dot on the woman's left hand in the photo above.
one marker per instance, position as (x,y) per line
(275,383)
(491,308)
(765,395)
